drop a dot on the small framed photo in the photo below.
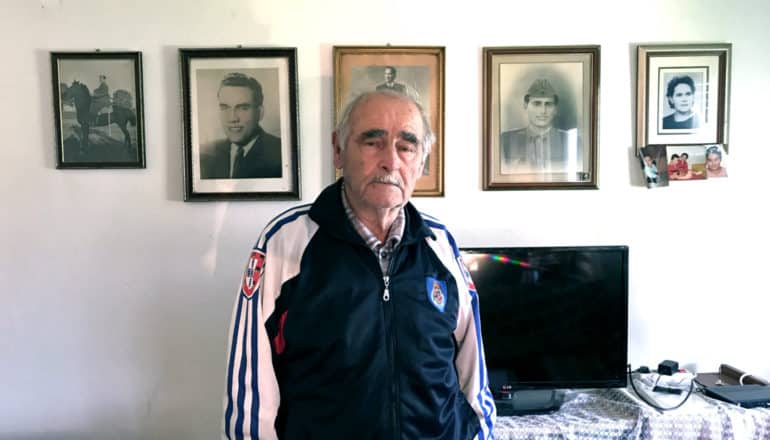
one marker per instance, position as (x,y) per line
(241,126)
(686,162)
(540,113)
(414,71)
(97,99)
(683,94)
(654,165)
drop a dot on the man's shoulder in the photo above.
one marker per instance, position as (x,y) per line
(515,132)
(285,225)
(215,147)
(270,140)
(517,136)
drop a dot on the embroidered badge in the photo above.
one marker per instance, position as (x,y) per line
(466,274)
(436,292)
(253,273)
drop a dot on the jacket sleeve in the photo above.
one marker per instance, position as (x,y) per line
(251,396)
(469,362)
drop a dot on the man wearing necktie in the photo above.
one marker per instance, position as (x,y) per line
(248,151)
(539,147)
(390,82)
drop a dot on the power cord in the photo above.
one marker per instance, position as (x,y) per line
(653,404)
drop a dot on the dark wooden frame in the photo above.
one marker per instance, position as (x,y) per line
(235,59)
(87,154)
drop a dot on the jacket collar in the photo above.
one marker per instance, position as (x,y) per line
(329,213)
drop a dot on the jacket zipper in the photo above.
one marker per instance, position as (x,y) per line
(390,313)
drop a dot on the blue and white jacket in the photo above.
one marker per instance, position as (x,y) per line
(319,350)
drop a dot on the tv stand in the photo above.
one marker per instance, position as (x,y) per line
(523,402)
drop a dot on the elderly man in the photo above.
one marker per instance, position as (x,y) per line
(539,147)
(248,151)
(356,317)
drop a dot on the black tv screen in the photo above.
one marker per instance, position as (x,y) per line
(553,317)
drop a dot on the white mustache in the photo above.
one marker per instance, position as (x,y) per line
(391,180)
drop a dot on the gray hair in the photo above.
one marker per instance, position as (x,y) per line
(343,127)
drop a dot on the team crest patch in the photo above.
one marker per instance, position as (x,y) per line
(436,292)
(253,273)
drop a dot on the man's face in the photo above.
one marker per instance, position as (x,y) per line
(541,111)
(239,114)
(390,75)
(648,160)
(682,98)
(383,156)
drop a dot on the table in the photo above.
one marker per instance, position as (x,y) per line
(618,414)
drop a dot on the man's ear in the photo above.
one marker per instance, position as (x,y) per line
(337,151)
(261,112)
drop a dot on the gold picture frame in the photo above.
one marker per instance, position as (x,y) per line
(414,70)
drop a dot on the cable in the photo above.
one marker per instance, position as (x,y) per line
(655,405)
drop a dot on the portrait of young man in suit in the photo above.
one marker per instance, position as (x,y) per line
(390,82)
(247,151)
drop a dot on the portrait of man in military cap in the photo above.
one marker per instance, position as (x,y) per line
(539,146)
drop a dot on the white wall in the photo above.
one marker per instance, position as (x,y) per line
(115,294)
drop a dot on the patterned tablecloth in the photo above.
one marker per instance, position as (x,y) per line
(618,414)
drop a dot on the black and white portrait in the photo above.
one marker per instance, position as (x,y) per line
(409,80)
(682,100)
(239,124)
(540,117)
(241,140)
(99,109)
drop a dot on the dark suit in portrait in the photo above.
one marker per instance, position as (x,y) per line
(526,151)
(394,87)
(262,160)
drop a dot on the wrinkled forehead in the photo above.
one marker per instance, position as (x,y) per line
(385,112)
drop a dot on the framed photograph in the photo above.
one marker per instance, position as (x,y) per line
(686,162)
(540,112)
(414,71)
(241,125)
(682,94)
(97,100)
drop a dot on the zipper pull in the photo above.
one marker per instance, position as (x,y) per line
(386,292)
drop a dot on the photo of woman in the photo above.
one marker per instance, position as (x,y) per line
(680,95)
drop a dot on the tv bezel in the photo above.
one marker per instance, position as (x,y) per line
(498,377)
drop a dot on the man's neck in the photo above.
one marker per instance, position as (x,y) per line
(377,220)
(538,131)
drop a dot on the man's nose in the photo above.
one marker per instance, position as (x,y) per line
(389,159)
(231,115)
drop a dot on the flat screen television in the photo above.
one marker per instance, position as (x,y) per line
(552,318)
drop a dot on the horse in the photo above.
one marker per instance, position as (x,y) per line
(88,114)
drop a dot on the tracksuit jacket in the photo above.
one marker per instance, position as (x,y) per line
(322,345)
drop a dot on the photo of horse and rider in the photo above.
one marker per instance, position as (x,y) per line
(99,115)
